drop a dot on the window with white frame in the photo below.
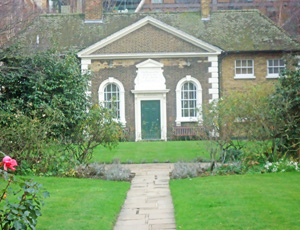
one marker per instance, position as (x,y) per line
(112,95)
(112,99)
(244,68)
(188,100)
(275,66)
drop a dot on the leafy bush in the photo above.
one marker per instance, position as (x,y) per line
(117,172)
(29,83)
(26,139)
(285,105)
(184,170)
(98,128)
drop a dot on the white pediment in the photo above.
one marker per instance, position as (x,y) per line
(150,76)
(88,52)
(149,64)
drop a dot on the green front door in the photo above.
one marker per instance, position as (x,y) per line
(150,111)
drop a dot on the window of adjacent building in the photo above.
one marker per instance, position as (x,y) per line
(275,66)
(244,68)
(188,100)
(157,1)
(112,99)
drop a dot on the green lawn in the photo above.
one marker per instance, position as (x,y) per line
(81,203)
(260,201)
(149,152)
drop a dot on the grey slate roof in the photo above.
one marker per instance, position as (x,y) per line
(234,31)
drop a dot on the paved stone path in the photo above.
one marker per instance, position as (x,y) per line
(148,205)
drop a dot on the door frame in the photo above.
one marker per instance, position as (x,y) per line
(145,95)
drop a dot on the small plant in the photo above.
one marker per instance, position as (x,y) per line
(129,161)
(155,161)
(184,170)
(228,169)
(144,161)
(116,161)
(116,172)
(24,213)
(281,166)
(93,170)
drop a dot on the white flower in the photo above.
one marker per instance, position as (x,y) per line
(274,170)
(283,170)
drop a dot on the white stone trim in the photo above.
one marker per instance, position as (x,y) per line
(85,69)
(152,95)
(179,117)
(147,55)
(214,79)
(149,20)
(122,96)
(244,77)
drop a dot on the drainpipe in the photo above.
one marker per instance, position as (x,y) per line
(139,6)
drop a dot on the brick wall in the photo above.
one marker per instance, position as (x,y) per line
(141,41)
(174,70)
(228,83)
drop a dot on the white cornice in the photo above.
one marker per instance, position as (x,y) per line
(150,91)
(148,55)
(149,20)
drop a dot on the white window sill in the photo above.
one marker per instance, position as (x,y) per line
(244,76)
(187,119)
(272,76)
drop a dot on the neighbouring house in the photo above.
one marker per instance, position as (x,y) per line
(157,69)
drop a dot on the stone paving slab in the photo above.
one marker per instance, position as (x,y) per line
(149,204)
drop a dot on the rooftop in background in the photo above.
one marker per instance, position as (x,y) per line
(234,31)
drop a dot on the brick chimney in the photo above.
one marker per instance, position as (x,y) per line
(205,9)
(93,11)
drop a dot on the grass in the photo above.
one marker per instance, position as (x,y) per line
(81,203)
(260,201)
(149,152)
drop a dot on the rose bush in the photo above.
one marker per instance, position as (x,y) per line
(24,213)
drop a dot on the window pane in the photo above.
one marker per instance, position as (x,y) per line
(244,63)
(281,62)
(238,63)
(238,71)
(270,62)
(250,71)
(244,71)
(276,62)
(276,70)
(271,70)
(249,62)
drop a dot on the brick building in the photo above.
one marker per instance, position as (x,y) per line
(157,69)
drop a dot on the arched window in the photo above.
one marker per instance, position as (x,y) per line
(112,98)
(112,95)
(188,100)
